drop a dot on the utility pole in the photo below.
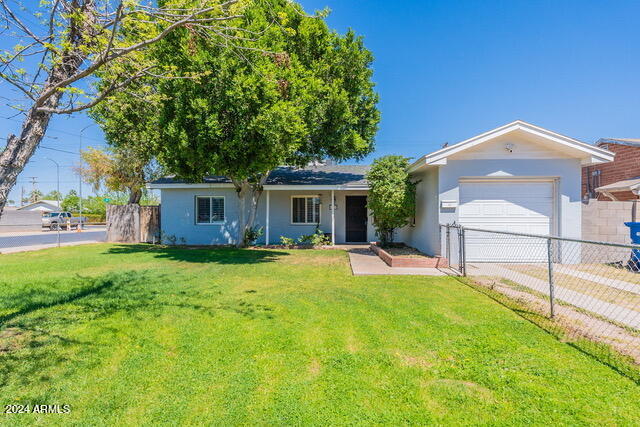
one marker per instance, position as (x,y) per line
(33,186)
(22,196)
(58,181)
(80,175)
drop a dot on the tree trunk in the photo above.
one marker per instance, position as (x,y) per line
(241,190)
(135,194)
(255,189)
(19,149)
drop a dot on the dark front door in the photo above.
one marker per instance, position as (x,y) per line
(356,218)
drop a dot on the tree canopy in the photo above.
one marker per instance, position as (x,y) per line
(392,196)
(120,168)
(300,92)
(61,45)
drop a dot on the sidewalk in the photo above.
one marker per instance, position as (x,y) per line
(47,246)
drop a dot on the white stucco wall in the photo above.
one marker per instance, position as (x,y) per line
(568,172)
(424,234)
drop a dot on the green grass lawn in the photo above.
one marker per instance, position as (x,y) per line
(142,335)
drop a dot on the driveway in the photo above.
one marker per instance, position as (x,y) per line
(606,303)
(33,240)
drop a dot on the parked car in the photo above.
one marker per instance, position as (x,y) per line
(64,220)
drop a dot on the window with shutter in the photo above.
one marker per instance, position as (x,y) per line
(305,210)
(209,210)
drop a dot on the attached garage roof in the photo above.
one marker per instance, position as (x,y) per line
(587,153)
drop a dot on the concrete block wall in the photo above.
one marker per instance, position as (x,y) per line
(13,220)
(604,220)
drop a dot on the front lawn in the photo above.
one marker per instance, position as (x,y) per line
(142,335)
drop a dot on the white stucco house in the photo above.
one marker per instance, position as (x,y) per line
(517,177)
(41,205)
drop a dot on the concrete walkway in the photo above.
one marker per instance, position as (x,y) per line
(365,263)
(614,283)
(605,309)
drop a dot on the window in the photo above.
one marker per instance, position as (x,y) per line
(305,209)
(593,182)
(209,210)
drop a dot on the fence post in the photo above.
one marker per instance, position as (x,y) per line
(463,261)
(550,268)
(448,253)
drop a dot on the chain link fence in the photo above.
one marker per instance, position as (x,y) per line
(28,237)
(583,290)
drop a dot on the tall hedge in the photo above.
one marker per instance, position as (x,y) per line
(392,196)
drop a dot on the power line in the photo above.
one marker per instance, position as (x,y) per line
(57,149)
(58,130)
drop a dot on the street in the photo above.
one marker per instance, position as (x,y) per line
(33,240)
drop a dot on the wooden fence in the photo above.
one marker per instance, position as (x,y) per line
(133,224)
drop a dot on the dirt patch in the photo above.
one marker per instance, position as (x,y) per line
(404,251)
(353,345)
(462,386)
(414,361)
(314,367)
(313,260)
(11,339)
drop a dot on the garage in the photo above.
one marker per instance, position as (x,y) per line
(519,206)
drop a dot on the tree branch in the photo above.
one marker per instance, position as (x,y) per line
(101,96)
(19,23)
(103,58)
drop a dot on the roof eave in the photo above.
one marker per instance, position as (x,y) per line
(595,154)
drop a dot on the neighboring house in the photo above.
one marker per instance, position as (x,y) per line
(41,205)
(518,177)
(618,180)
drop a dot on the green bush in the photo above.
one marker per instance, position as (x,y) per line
(392,196)
(252,234)
(316,239)
(287,241)
(95,217)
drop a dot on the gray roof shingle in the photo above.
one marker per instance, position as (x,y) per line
(634,142)
(346,175)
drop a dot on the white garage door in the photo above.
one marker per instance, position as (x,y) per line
(521,207)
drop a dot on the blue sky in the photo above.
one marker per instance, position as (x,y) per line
(448,70)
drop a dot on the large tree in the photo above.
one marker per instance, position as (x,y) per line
(60,45)
(130,125)
(249,111)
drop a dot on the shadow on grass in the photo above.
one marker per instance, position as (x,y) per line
(34,338)
(201,254)
(600,352)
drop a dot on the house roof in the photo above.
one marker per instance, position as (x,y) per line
(634,142)
(52,203)
(589,154)
(343,176)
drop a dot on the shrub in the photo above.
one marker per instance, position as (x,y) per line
(287,241)
(316,239)
(392,196)
(91,218)
(252,234)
